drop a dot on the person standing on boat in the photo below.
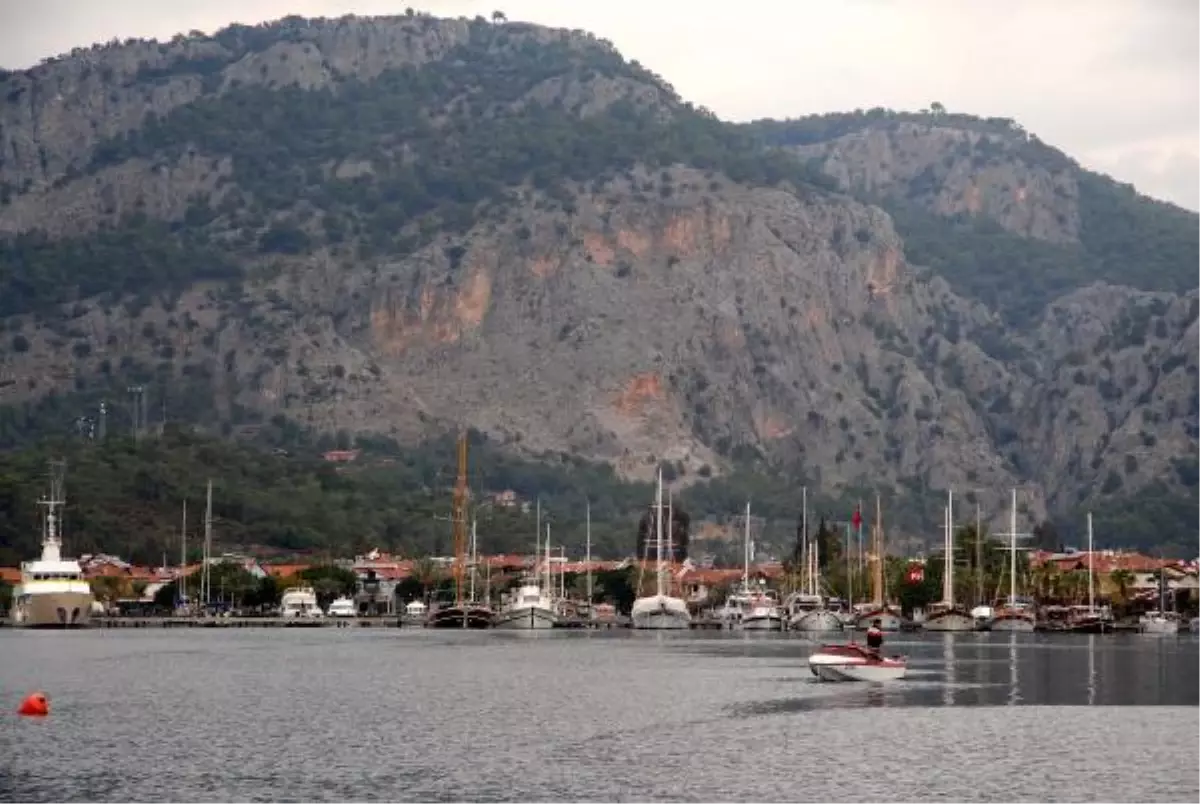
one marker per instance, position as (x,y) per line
(875,636)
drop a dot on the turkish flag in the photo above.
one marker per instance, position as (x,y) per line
(916,573)
(856,520)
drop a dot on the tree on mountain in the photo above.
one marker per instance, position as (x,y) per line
(499,16)
(936,108)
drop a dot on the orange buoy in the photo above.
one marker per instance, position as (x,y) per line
(35,705)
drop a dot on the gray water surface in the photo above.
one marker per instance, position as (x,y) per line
(371,714)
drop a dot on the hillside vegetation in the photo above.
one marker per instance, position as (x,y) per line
(385,230)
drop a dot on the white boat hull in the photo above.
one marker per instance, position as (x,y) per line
(769,622)
(1010,623)
(660,613)
(950,621)
(816,622)
(529,618)
(887,621)
(838,667)
(52,610)
(1158,627)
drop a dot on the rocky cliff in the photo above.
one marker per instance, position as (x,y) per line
(402,225)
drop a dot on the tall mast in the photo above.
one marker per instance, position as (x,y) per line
(658,529)
(670,540)
(746,551)
(849,572)
(945,554)
(877,576)
(548,572)
(809,581)
(207,575)
(537,552)
(589,556)
(1012,549)
(473,556)
(861,566)
(460,519)
(978,557)
(1091,559)
(949,572)
(182,585)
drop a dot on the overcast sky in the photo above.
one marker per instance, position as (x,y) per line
(1112,82)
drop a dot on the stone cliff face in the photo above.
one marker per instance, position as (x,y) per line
(656,315)
(952,171)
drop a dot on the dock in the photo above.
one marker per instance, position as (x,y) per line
(245,622)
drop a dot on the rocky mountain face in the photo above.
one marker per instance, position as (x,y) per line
(404,225)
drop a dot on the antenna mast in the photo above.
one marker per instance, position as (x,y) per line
(460,518)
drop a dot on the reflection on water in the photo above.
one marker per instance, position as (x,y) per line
(367,714)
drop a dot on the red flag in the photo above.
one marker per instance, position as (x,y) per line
(856,520)
(916,573)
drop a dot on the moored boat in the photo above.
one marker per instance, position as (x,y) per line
(660,611)
(53,592)
(943,617)
(764,614)
(947,615)
(854,662)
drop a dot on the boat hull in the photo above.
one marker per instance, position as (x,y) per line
(851,663)
(1010,622)
(949,621)
(816,622)
(888,621)
(1158,627)
(53,610)
(1089,626)
(530,618)
(660,613)
(469,617)
(770,622)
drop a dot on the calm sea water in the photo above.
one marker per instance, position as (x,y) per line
(372,714)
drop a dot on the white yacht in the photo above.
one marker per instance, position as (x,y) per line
(300,601)
(531,608)
(343,607)
(763,614)
(53,592)
(660,611)
(812,613)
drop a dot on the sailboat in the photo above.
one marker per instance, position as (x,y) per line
(532,607)
(762,611)
(463,612)
(878,610)
(1089,619)
(1016,614)
(1159,622)
(946,615)
(660,611)
(807,609)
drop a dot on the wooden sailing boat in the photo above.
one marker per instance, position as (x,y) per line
(946,615)
(464,612)
(1016,614)
(879,610)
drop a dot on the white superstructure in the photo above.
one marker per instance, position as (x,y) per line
(300,602)
(53,592)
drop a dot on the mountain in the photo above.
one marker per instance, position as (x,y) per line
(400,226)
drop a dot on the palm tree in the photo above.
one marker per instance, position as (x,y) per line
(1121,580)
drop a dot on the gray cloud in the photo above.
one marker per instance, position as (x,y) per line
(1114,83)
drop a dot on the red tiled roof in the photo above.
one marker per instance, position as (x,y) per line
(1104,561)
(284,570)
(10,575)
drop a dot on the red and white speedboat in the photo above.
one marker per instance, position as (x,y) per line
(854,662)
